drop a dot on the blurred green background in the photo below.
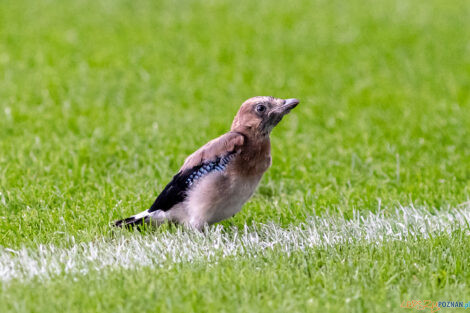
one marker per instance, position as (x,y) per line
(101,101)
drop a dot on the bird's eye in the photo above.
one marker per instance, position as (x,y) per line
(260,108)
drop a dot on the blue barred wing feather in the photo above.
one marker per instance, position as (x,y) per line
(175,192)
(213,157)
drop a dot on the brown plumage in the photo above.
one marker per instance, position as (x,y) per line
(216,180)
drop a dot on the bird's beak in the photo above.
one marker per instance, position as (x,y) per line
(284,108)
(277,113)
(288,105)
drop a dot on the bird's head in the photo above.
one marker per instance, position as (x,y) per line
(259,115)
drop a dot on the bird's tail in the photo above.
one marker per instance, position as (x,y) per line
(134,220)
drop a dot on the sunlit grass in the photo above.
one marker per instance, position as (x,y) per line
(101,101)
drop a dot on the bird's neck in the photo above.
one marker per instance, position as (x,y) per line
(255,156)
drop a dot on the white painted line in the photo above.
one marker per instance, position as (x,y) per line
(135,250)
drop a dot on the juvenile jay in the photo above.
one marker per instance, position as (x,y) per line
(216,180)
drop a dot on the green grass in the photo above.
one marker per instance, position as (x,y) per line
(101,101)
(357,277)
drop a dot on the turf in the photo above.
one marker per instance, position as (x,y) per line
(350,278)
(101,101)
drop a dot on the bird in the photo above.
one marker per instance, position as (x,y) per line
(218,179)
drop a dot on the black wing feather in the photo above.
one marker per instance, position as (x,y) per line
(176,190)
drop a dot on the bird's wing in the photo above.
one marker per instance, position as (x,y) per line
(213,156)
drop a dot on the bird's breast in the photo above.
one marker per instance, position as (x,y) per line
(219,196)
